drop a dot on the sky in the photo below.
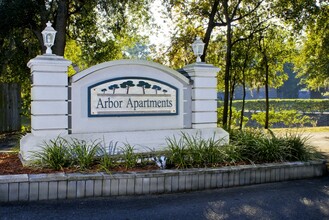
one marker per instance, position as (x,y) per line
(160,36)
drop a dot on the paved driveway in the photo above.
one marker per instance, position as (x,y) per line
(320,140)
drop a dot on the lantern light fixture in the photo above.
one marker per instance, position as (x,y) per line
(198,47)
(49,35)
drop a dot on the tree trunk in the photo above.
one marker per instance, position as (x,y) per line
(209,29)
(230,104)
(228,63)
(243,99)
(60,27)
(246,58)
(266,93)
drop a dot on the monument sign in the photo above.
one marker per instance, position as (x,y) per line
(138,102)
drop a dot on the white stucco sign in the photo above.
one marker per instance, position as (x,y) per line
(132,96)
(135,102)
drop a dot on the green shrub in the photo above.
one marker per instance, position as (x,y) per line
(298,149)
(107,160)
(54,155)
(129,158)
(300,105)
(193,151)
(290,118)
(231,154)
(246,146)
(236,117)
(177,153)
(83,153)
(259,147)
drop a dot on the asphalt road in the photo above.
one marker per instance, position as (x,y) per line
(304,199)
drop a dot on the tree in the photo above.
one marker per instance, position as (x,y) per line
(224,15)
(274,50)
(127,85)
(156,88)
(312,60)
(114,87)
(89,32)
(243,69)
(144,85)
(309,19)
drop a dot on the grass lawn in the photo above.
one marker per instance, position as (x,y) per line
(302,130)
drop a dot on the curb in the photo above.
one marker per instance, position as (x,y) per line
(34,187)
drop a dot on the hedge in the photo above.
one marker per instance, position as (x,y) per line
(300,105)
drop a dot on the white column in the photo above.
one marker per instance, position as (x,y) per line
(204,94)
(49,95)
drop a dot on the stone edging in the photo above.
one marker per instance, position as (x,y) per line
(34,187)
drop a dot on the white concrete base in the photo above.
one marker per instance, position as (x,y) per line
(143,141)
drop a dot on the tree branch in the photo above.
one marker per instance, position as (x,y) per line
(236,9)
(249,13)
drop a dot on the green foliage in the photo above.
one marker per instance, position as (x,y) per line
(236,117)
(297,147)
(300,105)
(106,161)
(60,153)
(312,59)
(193,151)
(290,118)
(259,147)
(82,153)
(88,32)
(177,153)
(54,155)
(231,154)
(246,146)
(129,158)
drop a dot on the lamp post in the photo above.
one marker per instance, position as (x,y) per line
(198,47)
(48,35)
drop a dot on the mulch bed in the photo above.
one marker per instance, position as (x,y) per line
(11,164)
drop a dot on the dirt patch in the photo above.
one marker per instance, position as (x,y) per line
(11,164)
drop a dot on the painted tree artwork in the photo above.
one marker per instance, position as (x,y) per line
(156,88)
(144,85)
(126,85)
(114,87)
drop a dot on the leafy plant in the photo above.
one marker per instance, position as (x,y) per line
(289,118)
(54,155)
(83,153)
(258,146)
(246,146)
(231,154)
(299,105)
(193,151)
(236,116)
(129,158)
(298,149)
(177,153)
(107,159)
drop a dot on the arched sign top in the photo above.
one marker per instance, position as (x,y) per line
(144,63)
